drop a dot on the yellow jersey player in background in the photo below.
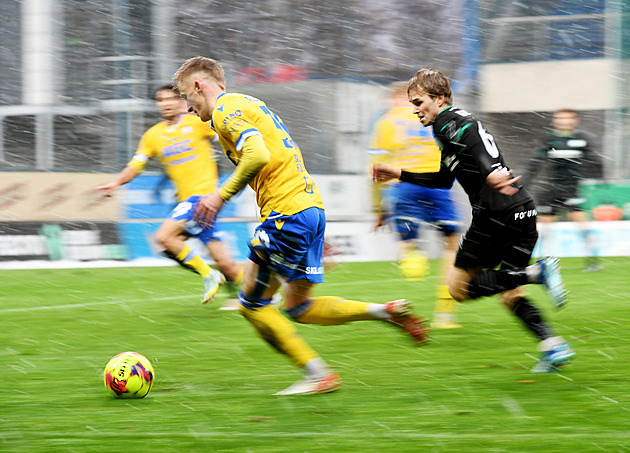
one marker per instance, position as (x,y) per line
(400,141)
(288,244)
(181,143)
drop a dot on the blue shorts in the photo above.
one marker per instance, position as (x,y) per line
(413,204)
(291,245)
(185,211)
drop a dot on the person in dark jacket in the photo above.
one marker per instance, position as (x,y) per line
(567,155)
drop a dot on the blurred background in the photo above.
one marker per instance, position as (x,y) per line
(78,79)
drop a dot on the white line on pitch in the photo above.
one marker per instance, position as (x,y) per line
(88,304)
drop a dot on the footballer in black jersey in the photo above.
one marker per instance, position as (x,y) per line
(569,159)
(503,229)
(470,155)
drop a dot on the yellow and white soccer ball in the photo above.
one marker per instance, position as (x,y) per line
(129,375)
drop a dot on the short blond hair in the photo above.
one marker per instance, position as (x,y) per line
(201,65)
(432,82)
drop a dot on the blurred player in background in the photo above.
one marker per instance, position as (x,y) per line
(567,155)
(288,244)
(181,143)
(400,141)
(503,229)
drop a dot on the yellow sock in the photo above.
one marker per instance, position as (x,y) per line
(332,311)
(414,265)
(278,331)
(445,303)
(193,261)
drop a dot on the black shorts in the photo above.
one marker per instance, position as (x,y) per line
(507,239)
(559,200)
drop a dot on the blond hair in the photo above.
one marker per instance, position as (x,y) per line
(200,65)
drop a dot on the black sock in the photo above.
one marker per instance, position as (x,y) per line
(490,282)
(531,317)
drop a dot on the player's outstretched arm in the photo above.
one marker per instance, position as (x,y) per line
(124,177)
(383,172)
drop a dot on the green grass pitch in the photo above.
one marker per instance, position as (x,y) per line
(470,390)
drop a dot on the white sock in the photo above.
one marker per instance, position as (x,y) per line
(549,343)
(316,369)
(378,311)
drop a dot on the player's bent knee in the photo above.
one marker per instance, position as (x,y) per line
(459,297)
(160,238)
(509,298)
(457,293)
(458,281)
(164,238)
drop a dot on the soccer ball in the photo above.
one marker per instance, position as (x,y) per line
(129,375)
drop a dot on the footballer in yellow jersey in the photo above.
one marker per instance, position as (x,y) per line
(287,246)
(398,140)
(181,143)
(282,185)
(183,149)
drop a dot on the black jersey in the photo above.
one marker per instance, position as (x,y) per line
(469,154)
(568,158)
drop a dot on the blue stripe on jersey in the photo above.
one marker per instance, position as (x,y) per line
(244,136)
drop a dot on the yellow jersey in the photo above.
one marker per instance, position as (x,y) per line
(283,185)
(185,153)
(400,141)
